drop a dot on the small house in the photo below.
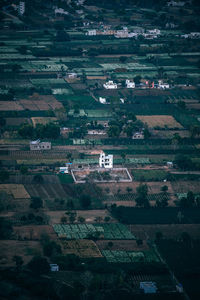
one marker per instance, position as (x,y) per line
(64,170)
(54,267)
(110,85)
(138,135)
(170,164)
(130,84)
(148,287)
(102,100)
(37,145)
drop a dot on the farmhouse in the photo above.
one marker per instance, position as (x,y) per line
(176,3)
(130,84)
(106,161)
(148,287)
(91,32)
(64,170)
(96,132)
(110,85)
(37,145)
(138,135)
(162,85)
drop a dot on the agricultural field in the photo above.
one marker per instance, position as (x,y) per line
(101,231)
(43,120)
(103,227)
(81,248)
(160,121)
(18,191)
(115,256)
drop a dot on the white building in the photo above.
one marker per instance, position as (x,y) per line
(106,161)
(60,11)
(122,100)
(130,84)
(154,31)
(64,170)
(91,32)
(102,100)
(37,145)
(148,287)
(138,135)
(72,75)
(54,267)
(96,132)
(21,8)
(176,3)
(110,85)
(162,85)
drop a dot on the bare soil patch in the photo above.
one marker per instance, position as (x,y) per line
(160,120)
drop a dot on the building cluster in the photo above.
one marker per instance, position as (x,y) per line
(124,33)
(110,85)
(191,35)
(176,3)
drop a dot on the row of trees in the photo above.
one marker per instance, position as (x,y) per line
(50,131)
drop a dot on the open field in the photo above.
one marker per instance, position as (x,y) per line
(43,120)
(18,191)
(25,249)
(101,175)
(169,231)
(88,215)
(81,248)
(160,121)
(33,232)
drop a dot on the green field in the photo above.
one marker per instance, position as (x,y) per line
(103,231)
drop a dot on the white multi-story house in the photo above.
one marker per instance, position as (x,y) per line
(37,145)
(110,85)
(130,84)
(21,8)
(106,161)
(102,100)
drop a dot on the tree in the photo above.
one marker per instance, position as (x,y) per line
(18,261)
(2,122)
(4,176)
(51,248)
(39,265)
(36,203)
(141,198)
(26,131)
(122,59)
(81,219)
(23,170)
(113,131)
(181,104)
(6,228)
(137,79)
(183,162)
(146,133)
(164,188)
(85,201)
(38,178)
(4,201)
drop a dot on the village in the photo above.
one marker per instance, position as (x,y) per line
(99,150)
